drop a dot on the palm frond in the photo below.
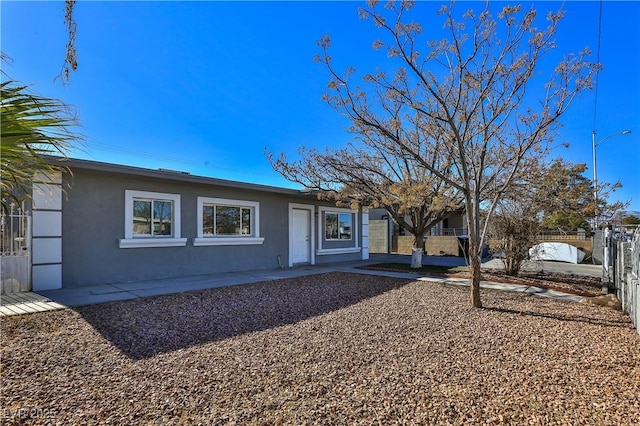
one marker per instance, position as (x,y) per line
(32,127)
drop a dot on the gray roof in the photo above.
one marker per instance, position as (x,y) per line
(74,163)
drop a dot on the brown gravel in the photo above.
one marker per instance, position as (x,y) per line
(328,349)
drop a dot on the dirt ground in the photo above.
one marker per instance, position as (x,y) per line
(329,349)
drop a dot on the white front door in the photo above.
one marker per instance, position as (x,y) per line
(301,236)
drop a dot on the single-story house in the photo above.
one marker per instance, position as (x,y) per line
(104,223)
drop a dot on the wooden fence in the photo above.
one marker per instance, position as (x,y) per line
(445,243)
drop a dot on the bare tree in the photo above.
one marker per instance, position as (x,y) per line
(376,173)
(467,101)
(514,231)
(516,224)
(553,196)
(70,62)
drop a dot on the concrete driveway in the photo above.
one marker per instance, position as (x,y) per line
(548,266)
(450,261)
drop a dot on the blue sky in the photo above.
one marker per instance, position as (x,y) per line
(205,87)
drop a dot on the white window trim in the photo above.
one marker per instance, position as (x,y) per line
(324,252)
(152,242)
(338,223)
(129,241)
(226,240)
(344,250)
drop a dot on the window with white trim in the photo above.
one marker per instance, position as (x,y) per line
(228,222)
(338,231)
(152,219)
(337,226)
(223,220)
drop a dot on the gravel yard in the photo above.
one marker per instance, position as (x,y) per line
(327,349)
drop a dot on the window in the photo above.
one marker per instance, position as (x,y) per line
(152,219)
(228,222)
(338,233)
(337,226)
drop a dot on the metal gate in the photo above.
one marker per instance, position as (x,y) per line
(15,249)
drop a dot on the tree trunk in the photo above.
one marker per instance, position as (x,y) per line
(474,279)
(416,258)
(473,222)
(416,252)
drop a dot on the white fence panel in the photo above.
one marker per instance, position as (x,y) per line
(15,274)
(15,250)
(628,278)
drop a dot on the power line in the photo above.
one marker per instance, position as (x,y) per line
(135,153)
(160,157)
(595,101)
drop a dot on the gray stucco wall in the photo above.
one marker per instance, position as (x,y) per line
(94,222)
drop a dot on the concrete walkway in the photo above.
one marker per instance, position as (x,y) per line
(71,297)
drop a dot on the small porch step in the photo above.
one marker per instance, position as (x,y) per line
(26,303)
